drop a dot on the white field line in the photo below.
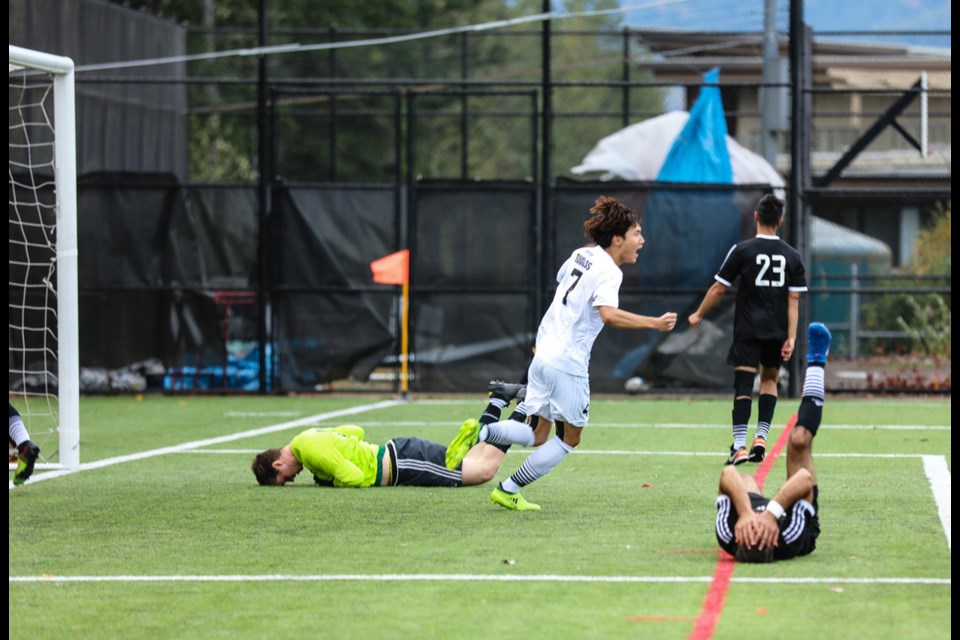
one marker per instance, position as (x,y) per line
(939,475)
(309,420)
(658,425)
(261,414)
(442,577)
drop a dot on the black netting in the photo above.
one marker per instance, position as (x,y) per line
(473,236)
(325,337)
(463,340)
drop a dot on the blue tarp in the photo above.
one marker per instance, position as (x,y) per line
(242,374)
(700,154)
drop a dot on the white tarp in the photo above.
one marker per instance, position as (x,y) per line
(637,153)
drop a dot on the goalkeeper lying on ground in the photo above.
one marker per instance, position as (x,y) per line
(340,457)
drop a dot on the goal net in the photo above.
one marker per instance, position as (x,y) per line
(43,327)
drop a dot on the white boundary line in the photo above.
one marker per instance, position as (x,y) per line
(261,414)
(938,473)
(442,577)
(309,420)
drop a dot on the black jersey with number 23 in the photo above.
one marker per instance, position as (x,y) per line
(768,269)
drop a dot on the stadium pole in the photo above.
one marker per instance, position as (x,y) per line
(798,210)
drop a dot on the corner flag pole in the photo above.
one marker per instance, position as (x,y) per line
(395,269)
(404,338)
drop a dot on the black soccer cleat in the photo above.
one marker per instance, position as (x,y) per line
(759,449)
(505,390)
(29,452)
(737,456)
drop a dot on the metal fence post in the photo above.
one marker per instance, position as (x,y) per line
(854,310)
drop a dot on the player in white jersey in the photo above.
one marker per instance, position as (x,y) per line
(558,384)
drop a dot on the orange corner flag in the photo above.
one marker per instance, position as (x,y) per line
(392,269)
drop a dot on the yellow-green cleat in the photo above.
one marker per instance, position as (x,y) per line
(512,501)
(29,452)
(468,436)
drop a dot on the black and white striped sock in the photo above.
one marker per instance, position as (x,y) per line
(538,464)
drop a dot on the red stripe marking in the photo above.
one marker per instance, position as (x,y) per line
(713,604)
(761,474)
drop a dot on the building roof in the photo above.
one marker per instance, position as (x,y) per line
(683,57)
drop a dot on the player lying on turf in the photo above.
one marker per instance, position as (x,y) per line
(753,528)
(340,457)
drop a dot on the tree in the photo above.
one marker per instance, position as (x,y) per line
(925,317)
(224,137)
(933,245)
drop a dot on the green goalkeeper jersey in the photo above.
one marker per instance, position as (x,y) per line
(339,455)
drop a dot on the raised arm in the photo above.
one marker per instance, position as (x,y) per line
(614,317)
(800,485)
(713,296)
(735,485)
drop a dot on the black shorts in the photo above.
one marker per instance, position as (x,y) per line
(415,462)
(750,353)
(799,529)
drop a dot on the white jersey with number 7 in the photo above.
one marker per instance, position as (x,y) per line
(587,280)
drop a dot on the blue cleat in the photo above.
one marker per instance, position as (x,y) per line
(818,343)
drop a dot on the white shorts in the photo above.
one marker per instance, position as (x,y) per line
(556,395)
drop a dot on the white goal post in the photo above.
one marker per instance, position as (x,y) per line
(36,125)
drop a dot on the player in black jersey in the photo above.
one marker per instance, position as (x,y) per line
(753,528)
(771,278)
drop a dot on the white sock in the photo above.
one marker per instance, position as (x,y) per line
(18,432)
(507,432)
(813,382)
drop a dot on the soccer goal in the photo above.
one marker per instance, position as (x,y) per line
(43,332)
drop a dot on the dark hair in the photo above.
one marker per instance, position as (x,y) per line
(609,217)
(770,210)
(263,466)
(753,554)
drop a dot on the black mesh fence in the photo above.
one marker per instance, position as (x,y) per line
(199,266)
(473,271)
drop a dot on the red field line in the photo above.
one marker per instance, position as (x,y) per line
(713,604)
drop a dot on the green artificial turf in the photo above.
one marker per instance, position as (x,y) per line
(624,546)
